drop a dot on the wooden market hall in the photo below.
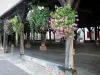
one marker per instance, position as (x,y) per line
(89,18)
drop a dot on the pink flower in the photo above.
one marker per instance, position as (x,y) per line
(65,30)
(76,15)
(61,32)
(75,28)
(69,30)
(51,19)
(74,24)
(56,20)
(57,32)
(77,19)
(42,28)
(70,36)
(61,28)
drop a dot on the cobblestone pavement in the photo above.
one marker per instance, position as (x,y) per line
(7,68)
(87,58)
(15,65)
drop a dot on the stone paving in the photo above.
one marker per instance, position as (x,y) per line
(87,58)
(7,68)
(15,65)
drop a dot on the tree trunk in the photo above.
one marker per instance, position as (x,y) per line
(43,41)
(22,43)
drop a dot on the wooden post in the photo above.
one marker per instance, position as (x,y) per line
(5,43)
(50,36)
(62,2)
(69,59)
(95,33)
(12,50)
(54,36)
(22,43)
(84,34)
(67,49)
(1,42)
(98,33)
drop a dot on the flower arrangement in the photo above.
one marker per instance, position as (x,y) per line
(63,21)
(38,18)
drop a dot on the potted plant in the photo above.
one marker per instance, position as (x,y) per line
(63,22)
(38,18)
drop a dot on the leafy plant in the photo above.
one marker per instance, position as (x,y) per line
(17,27)
(63,21)
(38,18)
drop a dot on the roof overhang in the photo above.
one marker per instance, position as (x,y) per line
(7,6)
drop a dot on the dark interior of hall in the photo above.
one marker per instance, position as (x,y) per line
(88,10)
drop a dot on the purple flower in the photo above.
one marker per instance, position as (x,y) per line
(69,30)
(74,24)
(61,28)
(77,19)
(75,28)
(56,20)
(51,19)
(76,15)
(61,32)
(42,28)
(70,36)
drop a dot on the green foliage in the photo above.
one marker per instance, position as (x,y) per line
(10,29)
(63,20)
(66,14)
(37,17)
(16,25)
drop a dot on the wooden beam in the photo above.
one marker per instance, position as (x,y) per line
(62,2)
(76,4)
(70,2)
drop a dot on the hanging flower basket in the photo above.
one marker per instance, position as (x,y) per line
(63,21)
(38,18)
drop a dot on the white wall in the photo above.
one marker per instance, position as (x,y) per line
(5,5)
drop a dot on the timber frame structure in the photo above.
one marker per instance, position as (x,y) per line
(88,17)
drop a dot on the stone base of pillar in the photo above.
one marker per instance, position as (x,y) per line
(28,45)
(43,48)
(71,72)
(6,51)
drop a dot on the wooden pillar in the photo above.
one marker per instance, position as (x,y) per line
(98,33)
(1,42)
(84,33)
(5,36)
(50,36)
(76,4)
(62,2)
(5,43)
(22,43)
(95,33)
(54,36)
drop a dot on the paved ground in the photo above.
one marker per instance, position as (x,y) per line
(8,68)
(15,65)
(87,58)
